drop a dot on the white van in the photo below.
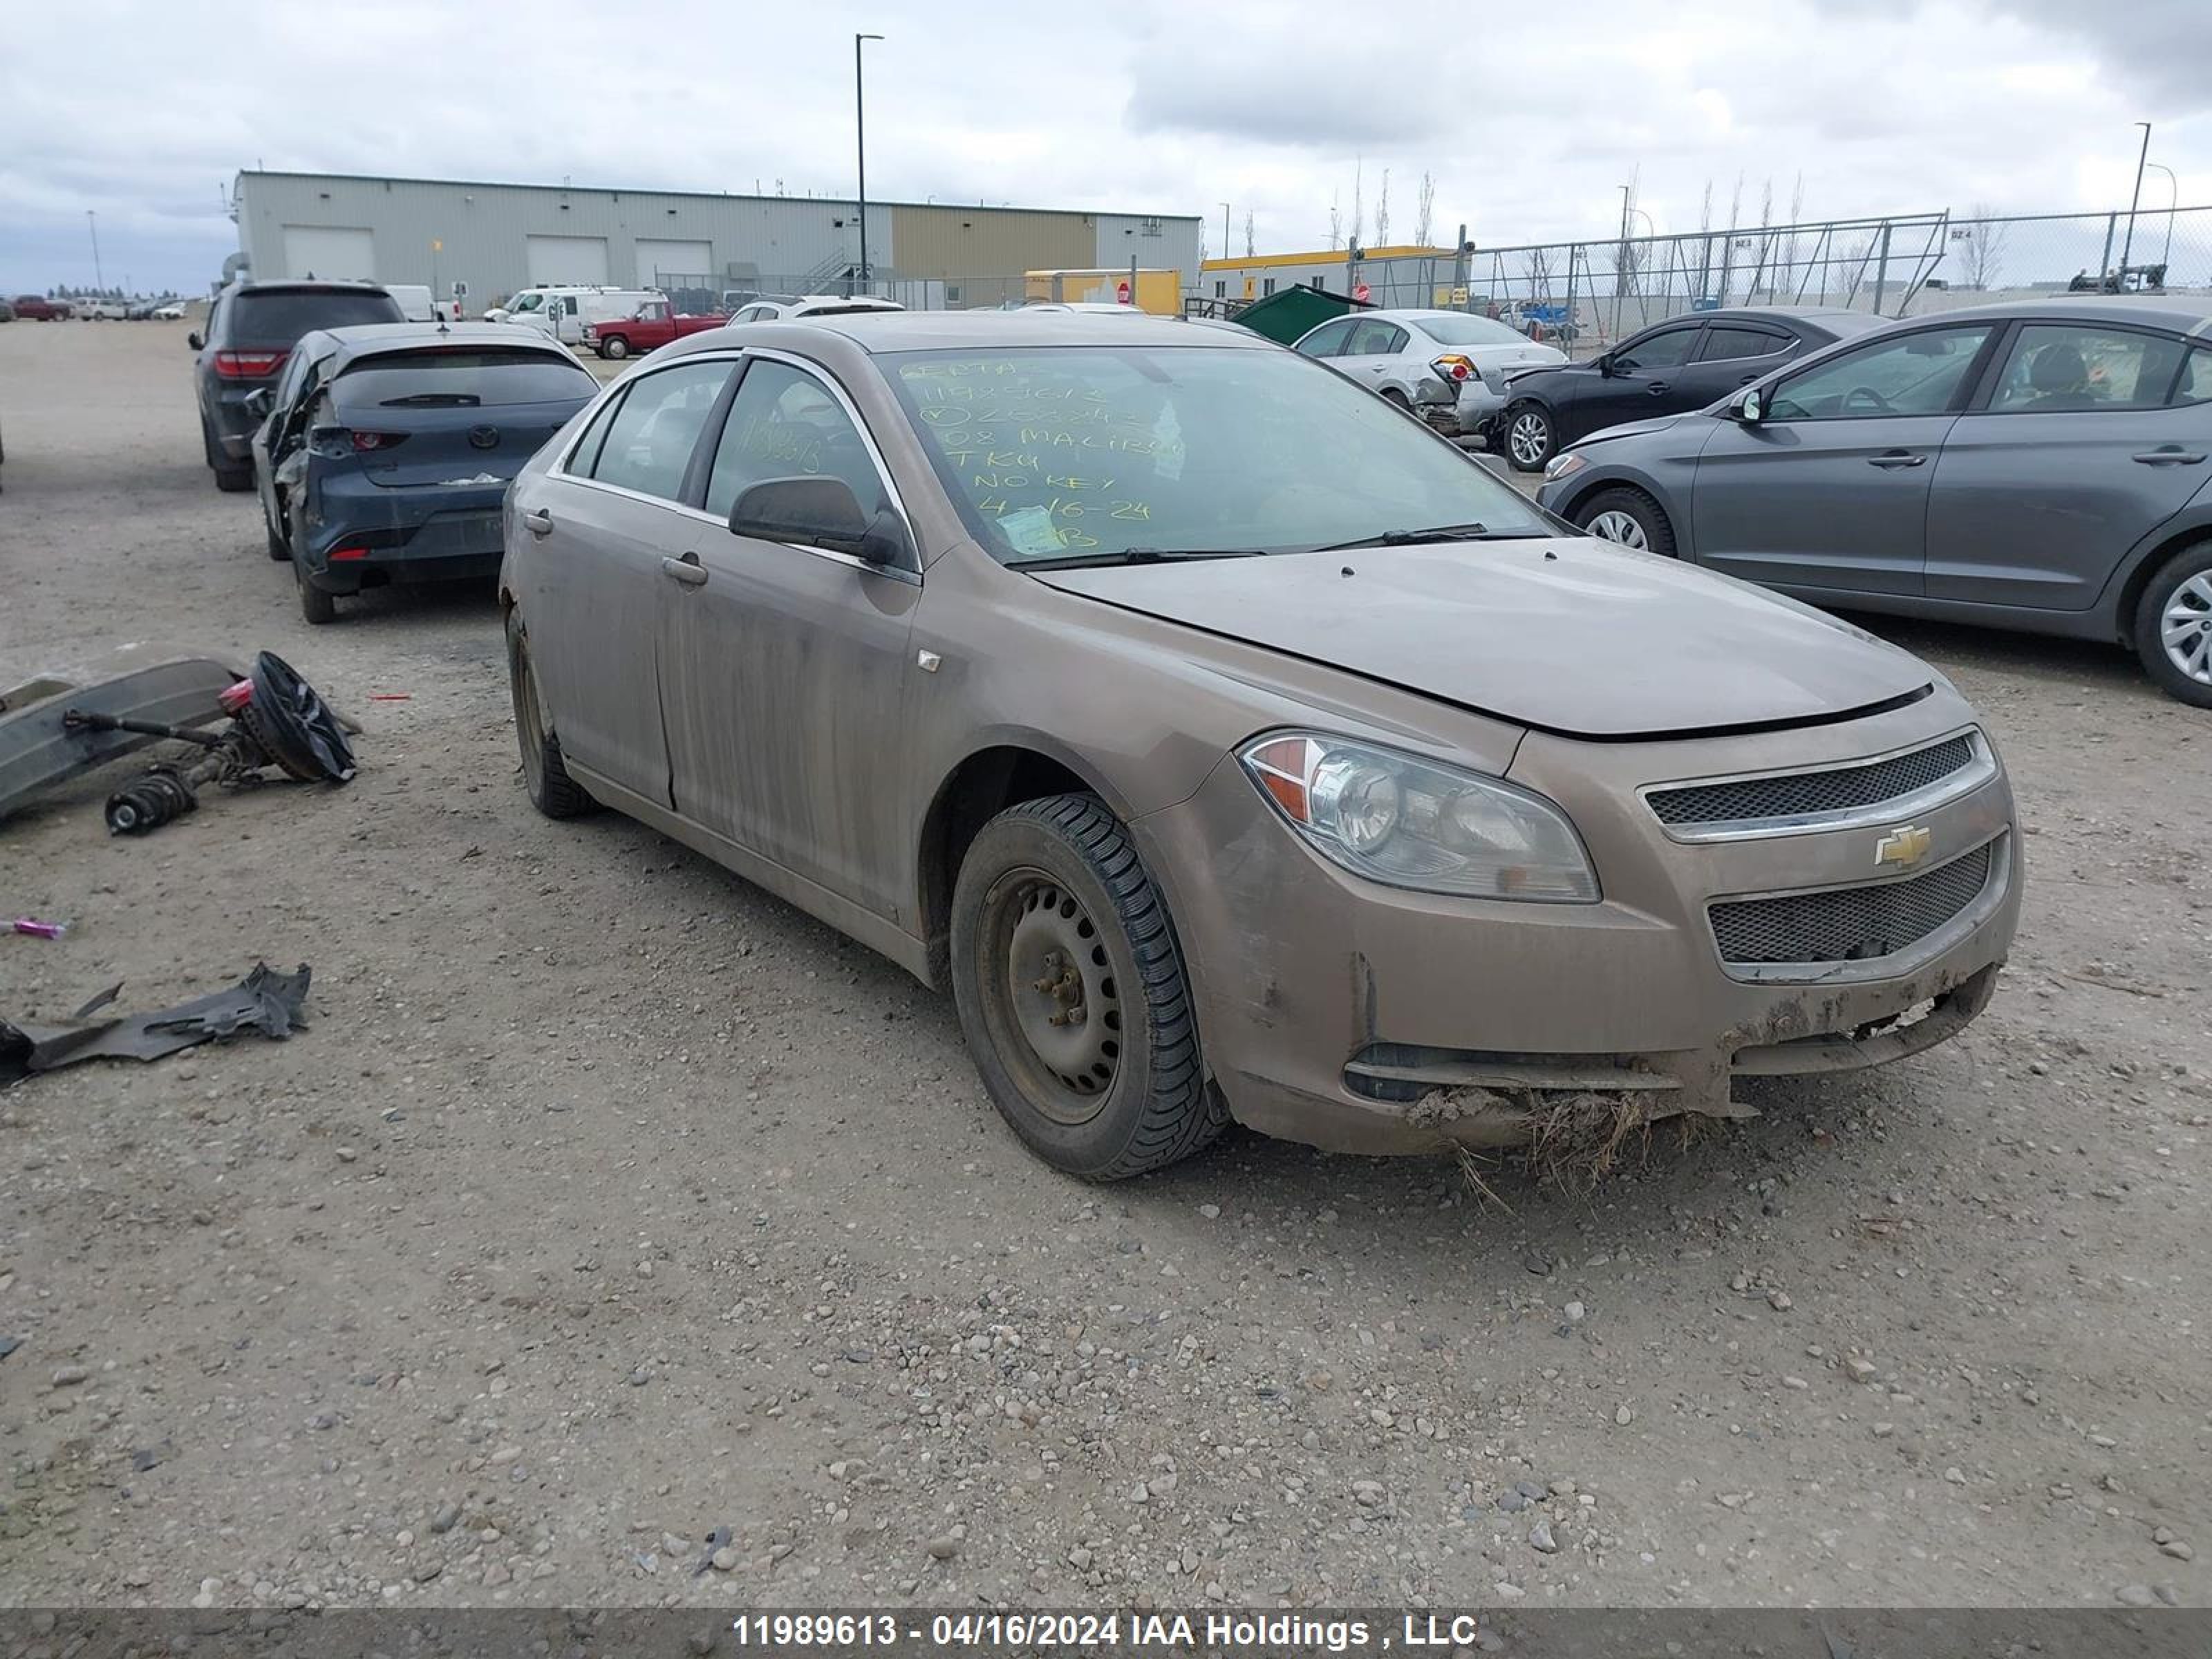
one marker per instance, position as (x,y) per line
(564,311)
(414,300)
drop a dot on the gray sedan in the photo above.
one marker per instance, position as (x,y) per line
(2041,465)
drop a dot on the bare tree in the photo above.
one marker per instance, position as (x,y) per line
(1335,223)
(1250,249)
(1981,245)
(1359,199)
(1382,213)
(1424,212)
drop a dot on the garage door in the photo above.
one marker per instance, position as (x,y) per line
(657,260)
(579,261)
(333,253)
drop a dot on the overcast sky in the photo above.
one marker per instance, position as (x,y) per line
(1529,116)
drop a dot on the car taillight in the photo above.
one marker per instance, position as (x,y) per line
(363,442)
(248,365)
(1454,367)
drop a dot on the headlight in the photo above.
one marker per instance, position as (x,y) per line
(1562,466)
(1410,823)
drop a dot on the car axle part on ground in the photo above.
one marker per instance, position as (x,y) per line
(61,725)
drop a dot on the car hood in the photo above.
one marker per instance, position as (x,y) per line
(1566,635)
(1628,429)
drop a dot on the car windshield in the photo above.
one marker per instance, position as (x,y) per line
(1470,330)
(527,302)
(281,316)
(463,377)
(1099,451)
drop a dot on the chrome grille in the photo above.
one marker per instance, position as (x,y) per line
(1801,795)
(1849,924)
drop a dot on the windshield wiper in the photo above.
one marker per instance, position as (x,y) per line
(1140,555)
(1442,532)
(433,400)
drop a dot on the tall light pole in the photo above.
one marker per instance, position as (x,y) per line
(2173,201)
(861,146)
(99,282)
(2127,246)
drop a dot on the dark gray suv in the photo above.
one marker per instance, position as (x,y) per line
(250,332)
(2040,465)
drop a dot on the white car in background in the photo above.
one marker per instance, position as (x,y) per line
(172,313)
(771,307)
(1422,359)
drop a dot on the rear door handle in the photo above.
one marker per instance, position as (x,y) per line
(1896,458)
(538,522)
(2170,455)
(687,570)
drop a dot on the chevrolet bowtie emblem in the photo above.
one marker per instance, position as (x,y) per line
(1902,848)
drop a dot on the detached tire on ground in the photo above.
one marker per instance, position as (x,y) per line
(2174,626)
(551,790)
(1630,518)
(1073,994)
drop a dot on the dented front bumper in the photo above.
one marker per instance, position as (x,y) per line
(1365,1018)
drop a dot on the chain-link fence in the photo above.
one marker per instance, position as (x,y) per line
(1584,296)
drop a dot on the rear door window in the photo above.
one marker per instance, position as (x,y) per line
(2194,385)
(1724,343)
(649,443)
(462,378)
(1371,339)
(2061,367)
(281,316)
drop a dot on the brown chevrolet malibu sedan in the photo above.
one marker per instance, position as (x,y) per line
(1232,746)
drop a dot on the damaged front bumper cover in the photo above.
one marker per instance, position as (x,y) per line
(1494,1100)
(40,747)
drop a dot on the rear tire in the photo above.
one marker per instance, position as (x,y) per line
(544,776)
(1073,994)
(317,606)
(1530,437)
(2179,598)
(279,548)
(1628,518)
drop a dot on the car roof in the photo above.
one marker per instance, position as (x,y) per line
(309,285)
(2185,313)
(378,339)
(872,331)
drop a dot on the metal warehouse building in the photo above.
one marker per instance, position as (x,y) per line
(499,238)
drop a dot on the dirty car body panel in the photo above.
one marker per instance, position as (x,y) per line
(822,723)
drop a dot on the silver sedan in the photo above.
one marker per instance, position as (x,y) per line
(1418,358)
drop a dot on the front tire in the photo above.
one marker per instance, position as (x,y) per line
(1629,518)
(1072,994)
(279,548)
(614,350)
(2174,626)
(1531,437)
(545,775)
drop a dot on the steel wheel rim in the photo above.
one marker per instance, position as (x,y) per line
(1052,995)
(2186,628)
(1613,525)
(1529,439)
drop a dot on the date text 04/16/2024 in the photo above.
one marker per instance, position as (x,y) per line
(993,1631)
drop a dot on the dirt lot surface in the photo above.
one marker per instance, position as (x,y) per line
(618,1235)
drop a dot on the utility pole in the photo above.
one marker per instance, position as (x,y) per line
(860,149)
(2127,246)
(92,223)
(1225,230)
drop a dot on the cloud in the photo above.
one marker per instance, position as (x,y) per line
(143,111)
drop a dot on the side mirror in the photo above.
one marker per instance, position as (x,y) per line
(1751,408)
(260,401)
(816,512)
(194,341)
(1607,365)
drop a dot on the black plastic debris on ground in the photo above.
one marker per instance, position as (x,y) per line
(271,1003)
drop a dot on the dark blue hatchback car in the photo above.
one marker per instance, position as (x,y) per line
(384,452)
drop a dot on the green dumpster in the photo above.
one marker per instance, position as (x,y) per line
(1288,314)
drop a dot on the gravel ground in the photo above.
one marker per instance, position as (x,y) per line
(618,1235)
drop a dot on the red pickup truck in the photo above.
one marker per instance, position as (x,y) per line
(656,324)
(32,309)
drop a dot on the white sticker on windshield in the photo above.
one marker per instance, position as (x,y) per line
(1032,531)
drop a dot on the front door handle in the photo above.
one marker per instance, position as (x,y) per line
(1656,387)
(2170,455)
(687,570)
(537,521)
(1896,458)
